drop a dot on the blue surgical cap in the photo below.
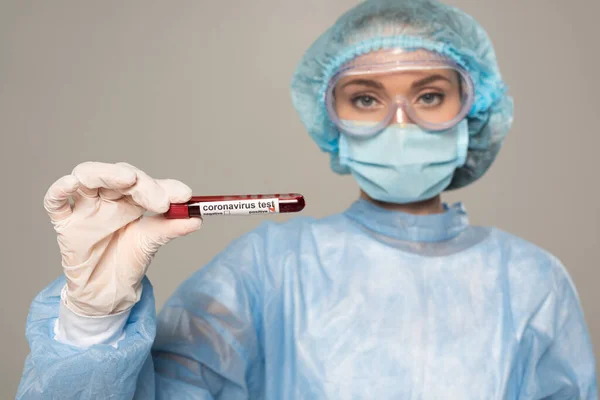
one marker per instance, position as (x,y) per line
(383,24)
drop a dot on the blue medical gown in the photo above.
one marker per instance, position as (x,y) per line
(367,304)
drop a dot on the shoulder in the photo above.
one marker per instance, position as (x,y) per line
(530,268)
(527,258)
(272,234)
(272,239)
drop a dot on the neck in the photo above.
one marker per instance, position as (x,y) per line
(425,207)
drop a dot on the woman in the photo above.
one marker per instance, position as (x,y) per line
(397,297)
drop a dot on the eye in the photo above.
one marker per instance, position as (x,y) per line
(431,99)
(364,101)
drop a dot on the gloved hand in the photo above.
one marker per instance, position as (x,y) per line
(105,239)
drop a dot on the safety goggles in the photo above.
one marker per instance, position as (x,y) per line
(398,86)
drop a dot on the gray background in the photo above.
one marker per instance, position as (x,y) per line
(199,91)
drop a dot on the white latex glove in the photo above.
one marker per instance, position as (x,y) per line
(105,239)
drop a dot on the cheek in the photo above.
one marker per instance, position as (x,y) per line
(453,105)
(344,111)
(343,108)
(348,112)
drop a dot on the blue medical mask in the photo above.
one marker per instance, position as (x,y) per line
(404,163)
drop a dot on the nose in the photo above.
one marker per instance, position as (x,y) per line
(401,117)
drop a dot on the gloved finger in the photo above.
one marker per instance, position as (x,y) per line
(109,194)
(146,192)
(87,192)
(56,200)
(157,230)
(178,192)
(95,175)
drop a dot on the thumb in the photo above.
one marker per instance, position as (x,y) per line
(158,230)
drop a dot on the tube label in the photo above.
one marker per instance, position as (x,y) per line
(239,207)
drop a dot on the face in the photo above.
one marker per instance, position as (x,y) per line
(434,96)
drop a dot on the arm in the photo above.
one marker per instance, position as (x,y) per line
(206,344)
(55,370)
(560,363)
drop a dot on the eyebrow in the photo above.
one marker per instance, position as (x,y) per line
(378,85)
(430,79)
(364,82)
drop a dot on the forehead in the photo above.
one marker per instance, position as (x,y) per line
(401,78)
(397,65)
